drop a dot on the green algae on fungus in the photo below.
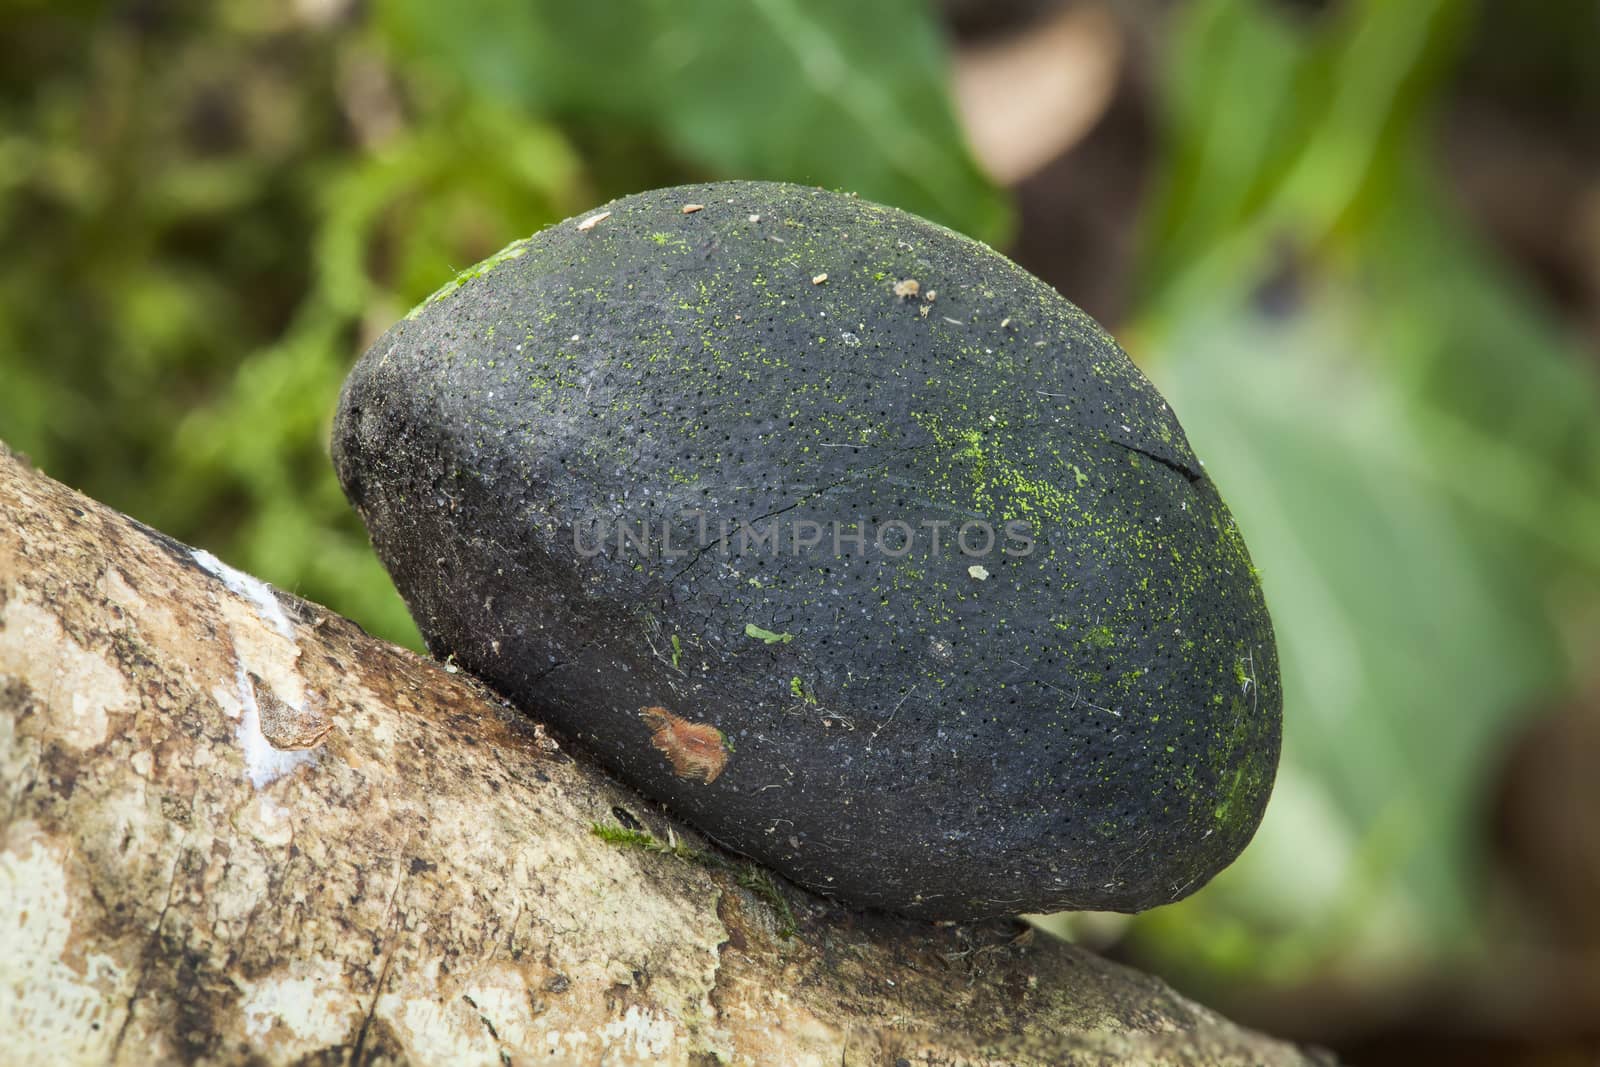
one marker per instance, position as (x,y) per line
(1012,654)
(766,636)
(477,270)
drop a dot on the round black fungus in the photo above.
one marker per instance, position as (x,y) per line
(840,534)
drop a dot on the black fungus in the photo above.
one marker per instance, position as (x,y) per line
(840,534)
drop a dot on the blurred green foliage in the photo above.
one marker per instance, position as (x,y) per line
(833,92)
(1413,450)
(210,210)
(221,205)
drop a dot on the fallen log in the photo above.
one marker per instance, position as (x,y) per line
(236,828)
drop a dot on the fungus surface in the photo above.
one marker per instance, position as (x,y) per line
(949,618)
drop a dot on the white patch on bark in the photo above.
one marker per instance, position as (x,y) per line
(79,686)
(640,1036)
(251,588)
(62,1007)
(640,1032)
(264,762)
(304,1011)
(266,821)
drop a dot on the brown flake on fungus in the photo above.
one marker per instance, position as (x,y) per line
(695,749)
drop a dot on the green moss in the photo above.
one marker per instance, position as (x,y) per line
(616,835)
(757,881)
(745,874)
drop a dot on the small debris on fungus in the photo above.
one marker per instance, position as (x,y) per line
(907,288)
(690,209)
(771,638)
(819,279)
(594,220)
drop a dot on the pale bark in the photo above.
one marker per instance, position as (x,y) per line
(415,877)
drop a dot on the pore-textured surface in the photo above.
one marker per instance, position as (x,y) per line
(1076,705)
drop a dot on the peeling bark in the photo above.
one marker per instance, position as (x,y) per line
(234,827)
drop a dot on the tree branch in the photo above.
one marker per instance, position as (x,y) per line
(236,826)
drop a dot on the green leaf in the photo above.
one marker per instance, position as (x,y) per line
(827,92)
